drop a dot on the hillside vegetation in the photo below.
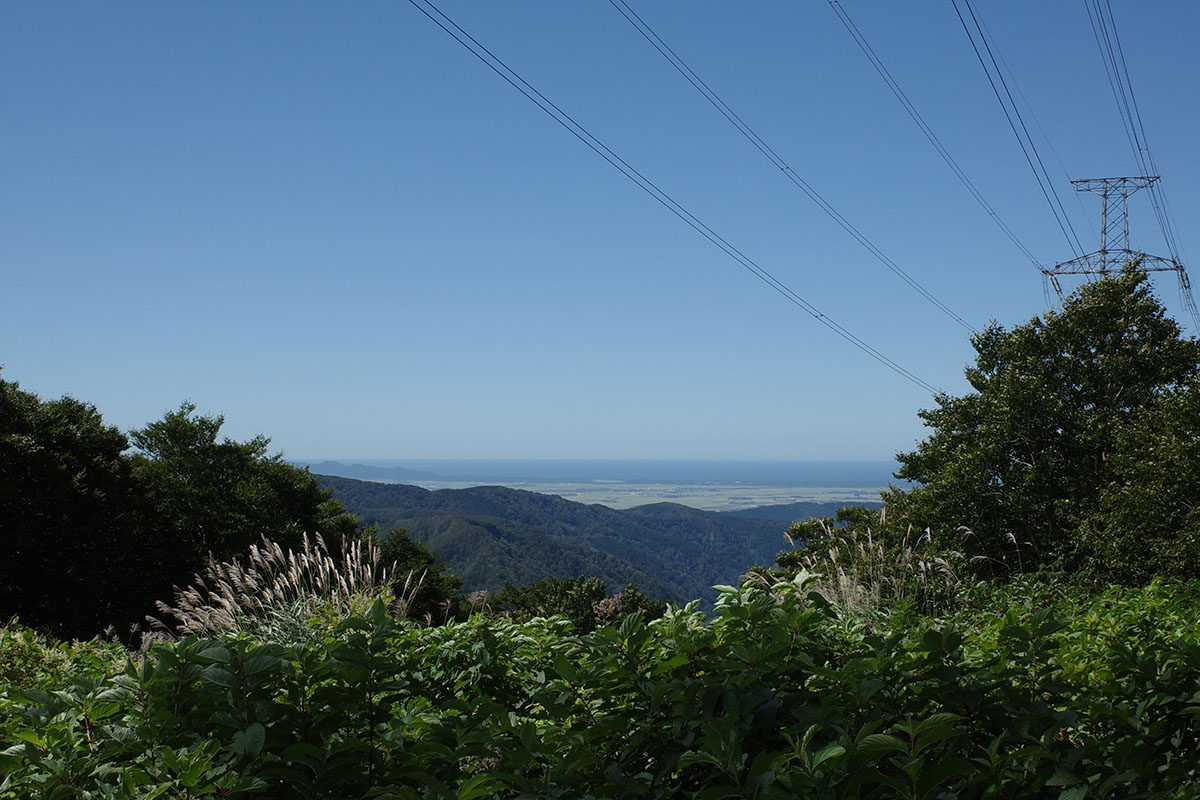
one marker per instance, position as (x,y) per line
(774,697)
(1023,622)
(490,535)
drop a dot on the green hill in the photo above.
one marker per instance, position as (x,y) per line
(788,513)
(493,534)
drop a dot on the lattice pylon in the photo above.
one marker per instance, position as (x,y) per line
(1114,225)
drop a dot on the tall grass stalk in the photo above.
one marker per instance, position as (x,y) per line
(862,571)
(288,596)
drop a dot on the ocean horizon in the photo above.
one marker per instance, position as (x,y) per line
(811,472)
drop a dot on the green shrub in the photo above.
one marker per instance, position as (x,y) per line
(29,658)
(583,601)
(757,701)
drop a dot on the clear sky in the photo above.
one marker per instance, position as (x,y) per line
(332,224)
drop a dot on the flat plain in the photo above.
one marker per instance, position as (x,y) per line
(704,496)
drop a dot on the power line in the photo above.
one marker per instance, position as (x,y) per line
(892,84)
(1104,29)
(1010,111)
(771,155)
(498,66)
(1038,124)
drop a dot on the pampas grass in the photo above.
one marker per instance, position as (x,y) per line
(288,596)
(861,570)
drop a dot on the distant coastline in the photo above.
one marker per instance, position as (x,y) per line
(706,485)
(854,473)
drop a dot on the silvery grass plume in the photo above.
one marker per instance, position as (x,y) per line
(861,571)
(288,596)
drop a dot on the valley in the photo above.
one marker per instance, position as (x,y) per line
(492,535)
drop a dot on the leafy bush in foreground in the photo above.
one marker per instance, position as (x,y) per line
(582,600)
(29,658)
(764,700)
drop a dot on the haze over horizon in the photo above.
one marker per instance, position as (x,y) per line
(843,471)
(339,229)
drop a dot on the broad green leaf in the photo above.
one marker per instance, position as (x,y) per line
(478,786)
(876,744)
(250,740)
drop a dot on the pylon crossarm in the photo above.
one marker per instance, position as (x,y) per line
(1126,186)
(1104,262)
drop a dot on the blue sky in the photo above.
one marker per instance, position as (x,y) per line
(333,225)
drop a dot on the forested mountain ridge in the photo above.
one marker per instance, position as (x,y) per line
(788,513)
(492,534)
(487,552)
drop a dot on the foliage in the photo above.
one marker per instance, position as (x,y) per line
(1148,523)
(29,658)
(438,594)
(1046,443)
(71,517)
(630,600)
(584,601)
(218,497)
(757,702)
(572,598)
(1101,621)
(292,596)
(865,567)
(93,535)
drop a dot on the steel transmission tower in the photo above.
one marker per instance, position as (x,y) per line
(1114,249)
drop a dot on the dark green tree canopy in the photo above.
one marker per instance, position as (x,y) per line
(583,600)
(94,535)
(219,496)
(573,598)
(1148,524)
(70,515)
(436,593)
(1027,457)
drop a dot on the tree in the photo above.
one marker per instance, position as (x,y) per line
(614,609)
(93,536)
(582,600)
(71,517)
(218,498)
(573,598)
(1148,523)
(1030,454)
(438,595)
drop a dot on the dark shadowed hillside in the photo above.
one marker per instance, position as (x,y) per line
(492,534)
(788,513)
(488,551)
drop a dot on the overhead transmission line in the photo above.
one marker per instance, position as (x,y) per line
(1104,29)
(493,62)
(713,98)
(1038,124)
(1013,114)
(883,72)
